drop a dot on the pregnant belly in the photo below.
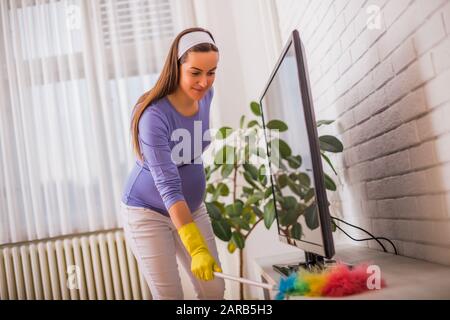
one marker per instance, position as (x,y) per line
(193,184)
(142,189)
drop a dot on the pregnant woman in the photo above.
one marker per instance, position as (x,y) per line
(163,213)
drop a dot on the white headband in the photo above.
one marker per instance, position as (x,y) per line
(191,39)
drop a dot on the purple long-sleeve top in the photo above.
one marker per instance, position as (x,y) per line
(172,169)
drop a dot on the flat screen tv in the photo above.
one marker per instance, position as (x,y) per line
(298,190)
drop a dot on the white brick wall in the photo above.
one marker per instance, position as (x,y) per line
(389,89)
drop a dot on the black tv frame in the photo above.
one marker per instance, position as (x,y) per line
(311,258)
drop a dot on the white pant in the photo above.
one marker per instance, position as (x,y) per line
(155,243)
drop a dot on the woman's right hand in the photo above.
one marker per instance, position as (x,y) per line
(203,264)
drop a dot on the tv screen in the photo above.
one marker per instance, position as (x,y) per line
(298,188)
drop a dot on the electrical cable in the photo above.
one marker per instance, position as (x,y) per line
(365,239)
(372,236)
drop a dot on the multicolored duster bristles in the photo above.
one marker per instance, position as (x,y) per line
(334,281)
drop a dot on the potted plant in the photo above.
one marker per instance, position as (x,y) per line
(235,209)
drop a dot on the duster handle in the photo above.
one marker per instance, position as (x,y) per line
(246,281)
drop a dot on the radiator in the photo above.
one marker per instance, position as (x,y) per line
(94,266)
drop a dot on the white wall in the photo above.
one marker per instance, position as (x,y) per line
(388,89)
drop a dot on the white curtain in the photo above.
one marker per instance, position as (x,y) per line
(70,73)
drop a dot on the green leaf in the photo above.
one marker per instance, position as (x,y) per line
(210,188)
(247,190)
(241,122)
(226,155)
(329,183)
(294,161)
(222,229)
(331,144)
(252,170)
(226,170)
(312,217)
(207,174)
(304,179)
(253,123)
(249,179)
(213,211)
(293,176)
(300,208)
(223,133)
(296,231)
(324,122)
(310,194)
(216,194)
(254,198)
(267,193)
(229,209)
(269,213)
(238,239)
(294,187)
(235,209)
(290,217)
(263,179)
(238,206)
(284,149)
(279,198)
(329,162)
(221,207)
(240,223)
(250,217)
(290,202)
(282,217)
(255,107)
(257,211)
(282,180)
(277,125)
(223,189)
(262,171)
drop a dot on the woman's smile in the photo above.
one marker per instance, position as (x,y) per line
(199,90)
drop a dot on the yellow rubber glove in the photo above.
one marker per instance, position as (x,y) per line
(203,263)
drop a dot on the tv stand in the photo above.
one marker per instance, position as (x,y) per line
(312,262)
(406,278)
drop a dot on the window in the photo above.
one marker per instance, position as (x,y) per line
(129,21)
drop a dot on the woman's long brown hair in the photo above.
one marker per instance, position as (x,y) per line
(166,84)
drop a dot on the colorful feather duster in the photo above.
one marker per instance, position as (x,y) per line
(335,281)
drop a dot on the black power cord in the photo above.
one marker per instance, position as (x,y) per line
(365,239)
(372,237)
